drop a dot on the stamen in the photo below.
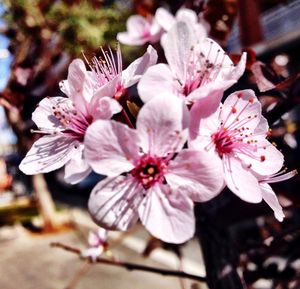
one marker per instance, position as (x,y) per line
(279,177)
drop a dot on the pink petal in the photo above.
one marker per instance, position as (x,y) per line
(136,69)
(130,39)
(43,114)
(214,54)
(136,25)
(177,46)
(187,15)
(110,147)
(80,87)
(158,79)
(262,128)
(241,181)
(271,199)
(77,169)
(266,160)
(47,154)
(205,115)
(241,109)
(168,215)
(113,203)
(165,19)
(204,91)
(103,107)
(160,125)
(156,32)
(109,89)
(92,253)
(238,70)
(197,174)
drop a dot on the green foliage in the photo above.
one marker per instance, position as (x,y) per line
(82,25)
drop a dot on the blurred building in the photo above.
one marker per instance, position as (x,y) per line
(278,23)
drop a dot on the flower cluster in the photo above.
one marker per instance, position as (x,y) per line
(185,145)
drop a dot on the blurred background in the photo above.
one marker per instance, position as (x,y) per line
(38,40)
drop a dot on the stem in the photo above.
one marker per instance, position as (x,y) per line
(132,266)
(82,271)
(127,119)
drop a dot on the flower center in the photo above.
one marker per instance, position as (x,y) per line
(74,122)
(202,69)
(234,135)
(106,67)
(149,170)
(224,141)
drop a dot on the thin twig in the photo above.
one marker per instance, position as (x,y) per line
(132,266)
(77,277)
(127,119)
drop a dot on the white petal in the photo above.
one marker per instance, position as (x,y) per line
(103,107)
(241,181)
(271,199)
(168,215)
(113,203)
(77,169)
(165,19)
(187,15)
(136,69)
(129,39)
(80,87)
(109,89)
(157,80)
(92,253)
(178,45)
(110,147)
(198,174)
(205,115)
(266,160)
(241,109)
(47,154)
(161,123)
(238,70)
(43,115)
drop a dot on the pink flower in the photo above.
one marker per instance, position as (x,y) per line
(97,244)
(194,68)
(166,20)
(140,30)
(91,95)
(150,175)
(236,133)
(107,77)
(269,195)
(64,121)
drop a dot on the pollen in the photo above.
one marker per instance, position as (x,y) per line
(262,158)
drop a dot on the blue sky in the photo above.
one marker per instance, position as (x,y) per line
(6,136)
(4,62)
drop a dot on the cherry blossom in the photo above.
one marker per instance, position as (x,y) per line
(63,122)
(149,175)
(194,68)
(91,95)
(108,78)
(236,132)
(97,242)
(268,194)
(140,30)
(166,20)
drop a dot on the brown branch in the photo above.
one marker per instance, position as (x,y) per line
(132,266)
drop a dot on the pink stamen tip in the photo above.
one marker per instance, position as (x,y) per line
(149,170)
